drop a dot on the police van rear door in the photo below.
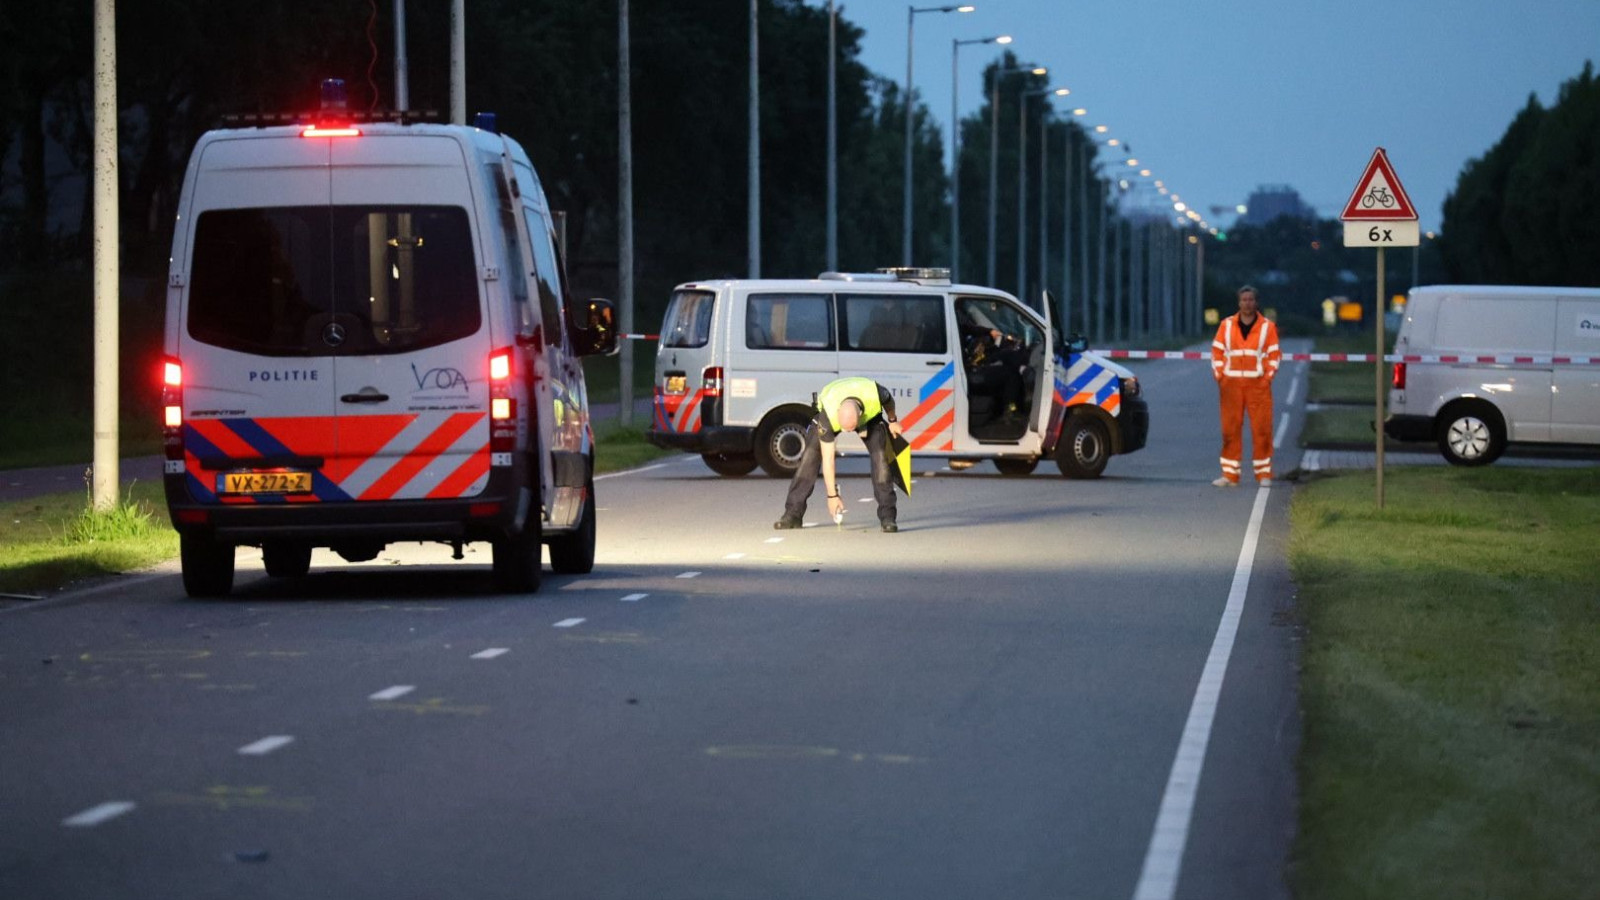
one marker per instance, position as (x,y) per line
(258,384)
(411,373)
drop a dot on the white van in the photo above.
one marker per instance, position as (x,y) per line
(368,339)
(975,373)
(1473,408)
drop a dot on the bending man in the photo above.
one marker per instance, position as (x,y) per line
(848,404)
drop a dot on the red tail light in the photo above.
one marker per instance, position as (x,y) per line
(502,405)
(172,408)
(711,381)
(330,131)
(1399,376)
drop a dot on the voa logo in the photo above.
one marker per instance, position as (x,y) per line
(439,378)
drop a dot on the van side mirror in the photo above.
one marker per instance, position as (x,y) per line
(597,335)
(1075,343)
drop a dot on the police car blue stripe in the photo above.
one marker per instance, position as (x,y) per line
(267,445)
(1105,393)
(1082,381)
(938,381)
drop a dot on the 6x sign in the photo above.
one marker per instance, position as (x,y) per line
(1379,213)
(1381,234)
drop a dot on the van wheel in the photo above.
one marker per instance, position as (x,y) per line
(517,558)
(1014,468)
(573,554)
(207,566)
(780,441)
(1085,448)
(1471,434)
(729,464)
(286,560)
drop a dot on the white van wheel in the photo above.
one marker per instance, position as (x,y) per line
(780,442)
(573,554)
(207,566)
(1471,435)
(1084,449)
(517,558)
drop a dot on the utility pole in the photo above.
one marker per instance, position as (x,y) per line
(753,223)
(107,271)
(402,78)
(625,209)
(458,62)
(833,143)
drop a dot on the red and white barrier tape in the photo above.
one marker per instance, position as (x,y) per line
(1503,360)
(1507,360)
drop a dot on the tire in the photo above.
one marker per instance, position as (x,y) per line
(780,441)
(1471,434)
(1084,449)
(207,566)
(286,560)
(517,558)
(573,554)
(729,465)
(1016,468)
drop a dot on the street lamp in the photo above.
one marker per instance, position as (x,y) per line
(994,149)
(1022,183)
(911,21)
(955,149)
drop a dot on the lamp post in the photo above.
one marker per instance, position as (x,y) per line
(911,22)
(1022,184)
(994,150)
(832,242)
(955,148)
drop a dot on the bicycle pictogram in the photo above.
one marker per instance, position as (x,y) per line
(1379,196)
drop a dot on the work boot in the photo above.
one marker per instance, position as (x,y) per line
(1224,482)
(786,523)
(890,528)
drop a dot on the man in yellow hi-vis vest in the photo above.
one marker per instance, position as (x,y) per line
(848,404)
(1244,359)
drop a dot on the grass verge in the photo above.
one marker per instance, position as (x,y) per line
(48,541)
(1451,685)
(617,448)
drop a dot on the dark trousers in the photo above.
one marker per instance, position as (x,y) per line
(876,435)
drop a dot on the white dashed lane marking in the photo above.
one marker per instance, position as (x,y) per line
(634,598)
(266,745)
(568,623)
(734,556)
(94,815)
(391,693)
(688,575)
(773,541)
(491,653)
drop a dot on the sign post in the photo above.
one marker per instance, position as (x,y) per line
(1379,214)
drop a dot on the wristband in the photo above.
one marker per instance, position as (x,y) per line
(833,496)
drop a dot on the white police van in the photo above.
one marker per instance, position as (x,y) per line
(976,374)
(368,339)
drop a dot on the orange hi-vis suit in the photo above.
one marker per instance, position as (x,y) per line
(1244,368)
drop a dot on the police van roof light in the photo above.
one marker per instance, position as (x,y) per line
(333,95)
(486,121)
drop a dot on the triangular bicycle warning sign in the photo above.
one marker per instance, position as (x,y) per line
(1379,194)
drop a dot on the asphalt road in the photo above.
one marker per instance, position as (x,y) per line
(988,704)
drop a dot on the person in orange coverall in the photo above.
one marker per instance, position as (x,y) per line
(1244,359)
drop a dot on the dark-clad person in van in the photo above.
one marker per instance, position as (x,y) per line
(848,404)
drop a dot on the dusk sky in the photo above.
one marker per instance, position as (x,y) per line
(1219,97)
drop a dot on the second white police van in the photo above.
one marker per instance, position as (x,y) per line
(976,374)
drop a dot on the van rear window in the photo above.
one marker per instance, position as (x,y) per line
(319,280)
(688,319)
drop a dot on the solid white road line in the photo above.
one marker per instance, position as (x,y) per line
(1159,878)
(94,815)
(265,745)
(1283,425)
(773,541)
(688,575)
(634,598)
(630,472)
(568,623)
(734,556)
(391,693)
(491,653)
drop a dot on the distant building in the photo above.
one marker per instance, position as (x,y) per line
(1269,201)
